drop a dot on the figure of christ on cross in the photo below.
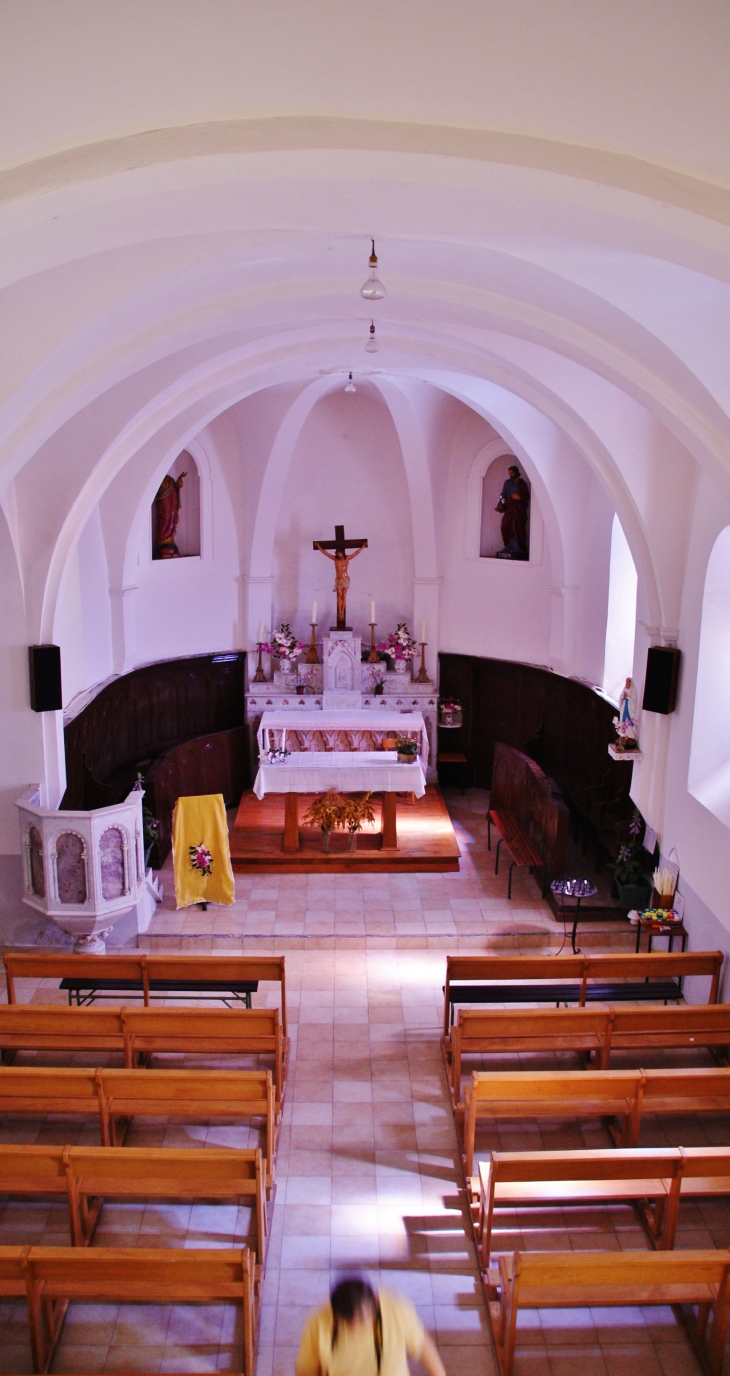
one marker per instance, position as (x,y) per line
(341,560)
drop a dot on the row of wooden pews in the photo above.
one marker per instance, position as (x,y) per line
(87,1176)
(654,1180)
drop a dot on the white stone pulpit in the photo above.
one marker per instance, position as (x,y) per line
(341,672)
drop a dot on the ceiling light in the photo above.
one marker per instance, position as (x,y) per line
(372,346)
(349,385)
(373,290)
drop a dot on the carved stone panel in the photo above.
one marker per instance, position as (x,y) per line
(35,858)
(112,862)
(70,868)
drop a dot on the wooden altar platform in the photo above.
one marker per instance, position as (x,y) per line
(426,840)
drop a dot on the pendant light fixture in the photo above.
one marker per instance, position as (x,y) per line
(349,385)
(373,289)
(372,346)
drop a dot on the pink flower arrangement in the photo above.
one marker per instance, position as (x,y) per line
(400,643)
(283,643)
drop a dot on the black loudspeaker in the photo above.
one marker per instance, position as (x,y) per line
(45,678)
(662,675)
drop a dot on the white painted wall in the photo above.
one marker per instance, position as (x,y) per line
(621,617)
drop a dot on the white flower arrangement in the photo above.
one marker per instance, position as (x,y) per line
(283,643)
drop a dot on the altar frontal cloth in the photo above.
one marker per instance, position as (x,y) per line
(357,771)
(201,855)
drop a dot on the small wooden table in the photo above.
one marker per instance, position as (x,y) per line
(656,927)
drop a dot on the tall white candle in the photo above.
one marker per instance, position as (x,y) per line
(283,739)
(261,636)
(372,613)
(314,614)
(423,633)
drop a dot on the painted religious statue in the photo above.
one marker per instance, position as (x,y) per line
(166,517)
(341,560)
(627,721)
(514,505)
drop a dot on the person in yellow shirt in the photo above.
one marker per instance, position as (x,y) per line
(361,1333)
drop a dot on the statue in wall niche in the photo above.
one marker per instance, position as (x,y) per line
(627,721)
(166,509)
(514,506)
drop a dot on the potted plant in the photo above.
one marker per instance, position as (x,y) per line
(353,813)
(400,646)
(407,750)
(284,646)
(632,884)
(325,813)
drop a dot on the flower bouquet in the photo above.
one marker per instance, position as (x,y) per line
(284,645)
(400,646)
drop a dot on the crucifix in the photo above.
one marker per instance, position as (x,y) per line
(341,560)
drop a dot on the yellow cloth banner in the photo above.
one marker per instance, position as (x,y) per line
(201,855)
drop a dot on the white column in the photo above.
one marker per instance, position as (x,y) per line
(258,606)
(53,784)
(563,627)
(426,597)
(124,627)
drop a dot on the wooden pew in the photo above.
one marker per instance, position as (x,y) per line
(116,1095)
(54,1276)
(522,853)
(85,1176)
(192,1094)
(683,1092)
(35,1027)
(87,978)
(509,1095)
(138,1032)
(498,1031)
(515,1179)
(541,1280)
(12,1272)
(589,1030)
(204,1031)
(94,1174)
(651,976)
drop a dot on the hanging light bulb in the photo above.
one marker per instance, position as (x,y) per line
(373,289)
(349,385)
(372,346)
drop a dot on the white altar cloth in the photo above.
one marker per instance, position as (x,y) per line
(380,719)
(347,771)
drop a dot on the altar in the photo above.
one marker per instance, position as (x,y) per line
(327,730)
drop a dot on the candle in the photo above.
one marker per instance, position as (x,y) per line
(423,633)
(283,739)
(314,614)
(261,636)
(372,613)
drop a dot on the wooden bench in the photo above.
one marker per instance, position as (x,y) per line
(54,1276)
(88,978)
(139,1032)
(652,976)
(523,854)
(526,1179)
(507,1095)
(542,1280)
(205,1031)
(85,1176)
(117,1095)
(498,1032)
(588,1030)
(536,1094)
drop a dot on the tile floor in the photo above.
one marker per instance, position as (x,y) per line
(368,1173)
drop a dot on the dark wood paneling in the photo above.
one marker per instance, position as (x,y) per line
(144,714)
(209,764)
(563,725)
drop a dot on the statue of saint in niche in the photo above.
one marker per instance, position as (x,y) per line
(514,505)
(166,516)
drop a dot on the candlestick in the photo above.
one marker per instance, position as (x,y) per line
(373,657)
(260,676)
(312,656)
(422,676)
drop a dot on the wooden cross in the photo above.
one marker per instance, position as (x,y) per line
(341,560)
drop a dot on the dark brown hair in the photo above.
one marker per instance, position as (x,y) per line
(349,1298)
